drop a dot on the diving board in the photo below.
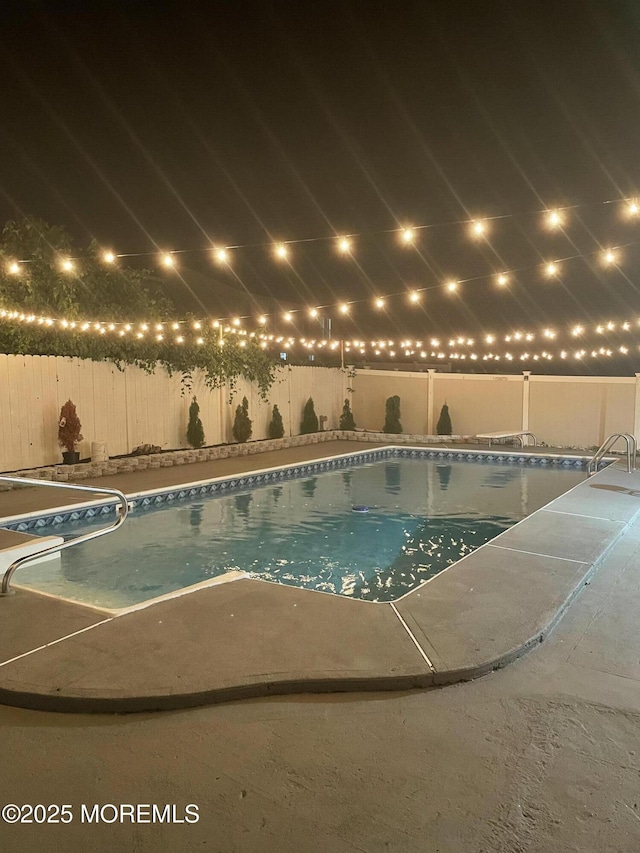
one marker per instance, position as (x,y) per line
(517,434)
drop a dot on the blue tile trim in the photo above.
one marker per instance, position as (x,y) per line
(241,482)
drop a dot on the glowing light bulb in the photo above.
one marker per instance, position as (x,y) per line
(379,302)
(13,268)
(577,330)
(287,317)
(553,219)
(280,251)
(502,279)
(478,228)
(168,261)
(175,326)
(414,296)
(236,321)
(313,313)
(67,265)
(344,308)
(608,257)
(109,257)
(452,286)
(344,245)
(262,320)
(490,339)
(551,269)
(633,208)
(408,235)
(221,255)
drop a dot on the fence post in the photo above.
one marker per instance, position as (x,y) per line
(430,383)
(636,410)
(525,399)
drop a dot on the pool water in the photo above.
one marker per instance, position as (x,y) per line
(415,518)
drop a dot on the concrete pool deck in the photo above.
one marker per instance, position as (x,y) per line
(250,638)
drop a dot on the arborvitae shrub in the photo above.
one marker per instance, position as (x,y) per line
(276,427)
(195,430)
(242,425)
(444,422)
(347,420)
(392,415)
(309,418)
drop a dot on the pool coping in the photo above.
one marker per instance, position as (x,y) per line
(416,642)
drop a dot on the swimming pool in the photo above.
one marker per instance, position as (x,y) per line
(422,514)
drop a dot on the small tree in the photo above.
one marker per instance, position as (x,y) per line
(242,425)
(276,427)
(347,420)
(392,415)
(69,427)
(309,418)
(195,430)
(444,422)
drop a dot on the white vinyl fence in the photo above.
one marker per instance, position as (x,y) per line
(130,407)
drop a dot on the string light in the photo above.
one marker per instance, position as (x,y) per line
(313,313)
(168,261)
(221,256)
(343,308)
(108,257)
(502,279)
(609,257)
(14,268)
(478,228)
(281,252)
(287,317)
(452,286)
(344,245)
(67,265)
(379,302)
(554,219)
(414,296)
(407,236)
(551,269)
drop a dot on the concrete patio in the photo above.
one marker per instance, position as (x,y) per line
(248,638)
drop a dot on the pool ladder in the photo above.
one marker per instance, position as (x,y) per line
(121,513)
(607,444)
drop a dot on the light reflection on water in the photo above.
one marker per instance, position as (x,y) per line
(422,517)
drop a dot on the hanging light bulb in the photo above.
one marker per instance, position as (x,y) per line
(221,256)
(632,207)
(168,260)
(452,286)
(108,257)
(379,302)
(344,245)
(287,316)
(478,228)
(407,236)
(554,219)
(551,269)
(502,279)
(281,251)
(343,308)
(609,257)
(313,313)
(13,268)
(67,265)
(414,296)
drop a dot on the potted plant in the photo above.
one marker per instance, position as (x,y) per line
(69,435)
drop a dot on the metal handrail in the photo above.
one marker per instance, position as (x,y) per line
(607,444)
(121,514)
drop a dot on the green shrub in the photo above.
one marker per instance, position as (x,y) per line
(276,427)
(392,415)
(444,423)
(195,430)
(347,420)
(69,427)
(309,418)
(242,425)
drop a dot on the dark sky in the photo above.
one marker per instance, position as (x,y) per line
(179,125)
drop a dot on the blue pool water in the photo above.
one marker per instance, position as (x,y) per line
(422,516)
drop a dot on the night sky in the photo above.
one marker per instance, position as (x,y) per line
(157,125)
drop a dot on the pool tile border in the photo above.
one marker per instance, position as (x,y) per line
(230,484)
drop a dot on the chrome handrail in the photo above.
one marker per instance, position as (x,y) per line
(121,513)
(607,444)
